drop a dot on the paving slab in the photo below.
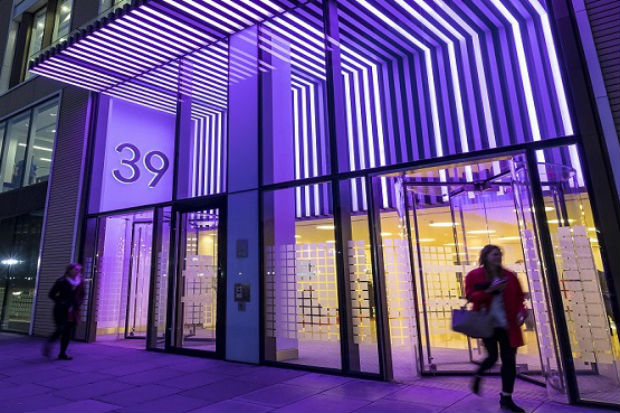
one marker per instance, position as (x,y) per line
(428,395)
(82,406)
(139,394)
(278,395)
(173,403)
(365,389)
(324,403)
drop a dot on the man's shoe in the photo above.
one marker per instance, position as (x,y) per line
(64,357)
(506,402)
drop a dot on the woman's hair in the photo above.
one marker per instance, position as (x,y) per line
(482,260)
(72,266)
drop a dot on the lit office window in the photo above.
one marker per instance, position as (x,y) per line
(14,151)
(2,130)
(20,238)
(41,143)
(105,5)
(62,24)
(36,35)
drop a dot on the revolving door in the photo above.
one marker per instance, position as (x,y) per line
(451,214)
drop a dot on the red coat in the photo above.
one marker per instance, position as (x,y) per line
(475,285)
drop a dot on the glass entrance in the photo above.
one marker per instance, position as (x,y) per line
(433,223)
(449,224)
(200,282)
(139,275)
(122,274)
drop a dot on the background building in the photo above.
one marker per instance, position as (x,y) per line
(307,183)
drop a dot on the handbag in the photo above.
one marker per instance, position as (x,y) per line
(475,324)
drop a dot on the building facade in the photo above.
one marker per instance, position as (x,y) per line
(307,183)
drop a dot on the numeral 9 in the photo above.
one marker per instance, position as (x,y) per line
(158,172)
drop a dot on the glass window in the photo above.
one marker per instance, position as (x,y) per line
(583,281)
(105,5)
(294,96)
(36,35)
(19,268)
(302,323)
(62,23)
(14,151)
(2,130)
(42,135)
(203,120)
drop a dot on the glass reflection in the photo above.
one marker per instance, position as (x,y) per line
(42,135)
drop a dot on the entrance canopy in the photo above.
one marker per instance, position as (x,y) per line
(421,78)
(134,52)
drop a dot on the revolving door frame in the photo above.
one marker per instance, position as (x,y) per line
(410,204)
(544,246)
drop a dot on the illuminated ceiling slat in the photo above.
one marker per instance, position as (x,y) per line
(137,40)
(465,75)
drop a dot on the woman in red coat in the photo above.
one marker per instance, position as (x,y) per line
(497,290)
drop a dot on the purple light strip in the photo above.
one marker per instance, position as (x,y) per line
(74,70)
(453,66)
(66,79)
(488,118)
(125,38)
(194,153)
(183,28)
(163,36)
(142,16)
(200,16)
(429,72)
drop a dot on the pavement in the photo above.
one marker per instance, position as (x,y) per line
(109,378)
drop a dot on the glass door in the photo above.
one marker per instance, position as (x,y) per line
(200,283)
(452,211)
(117,267)
(139,276)
(452,223)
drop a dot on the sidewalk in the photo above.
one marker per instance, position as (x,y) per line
(106,378)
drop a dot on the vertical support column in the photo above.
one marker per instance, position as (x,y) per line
(552,279)
(278,152)
(597,159)
(278,149)
(64,203)
(184,148)
(341,192)
(373,186)
(243,252)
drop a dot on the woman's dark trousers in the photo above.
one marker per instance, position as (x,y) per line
(507,354)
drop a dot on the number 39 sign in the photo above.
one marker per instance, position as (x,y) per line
(133,165)
(136,158)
